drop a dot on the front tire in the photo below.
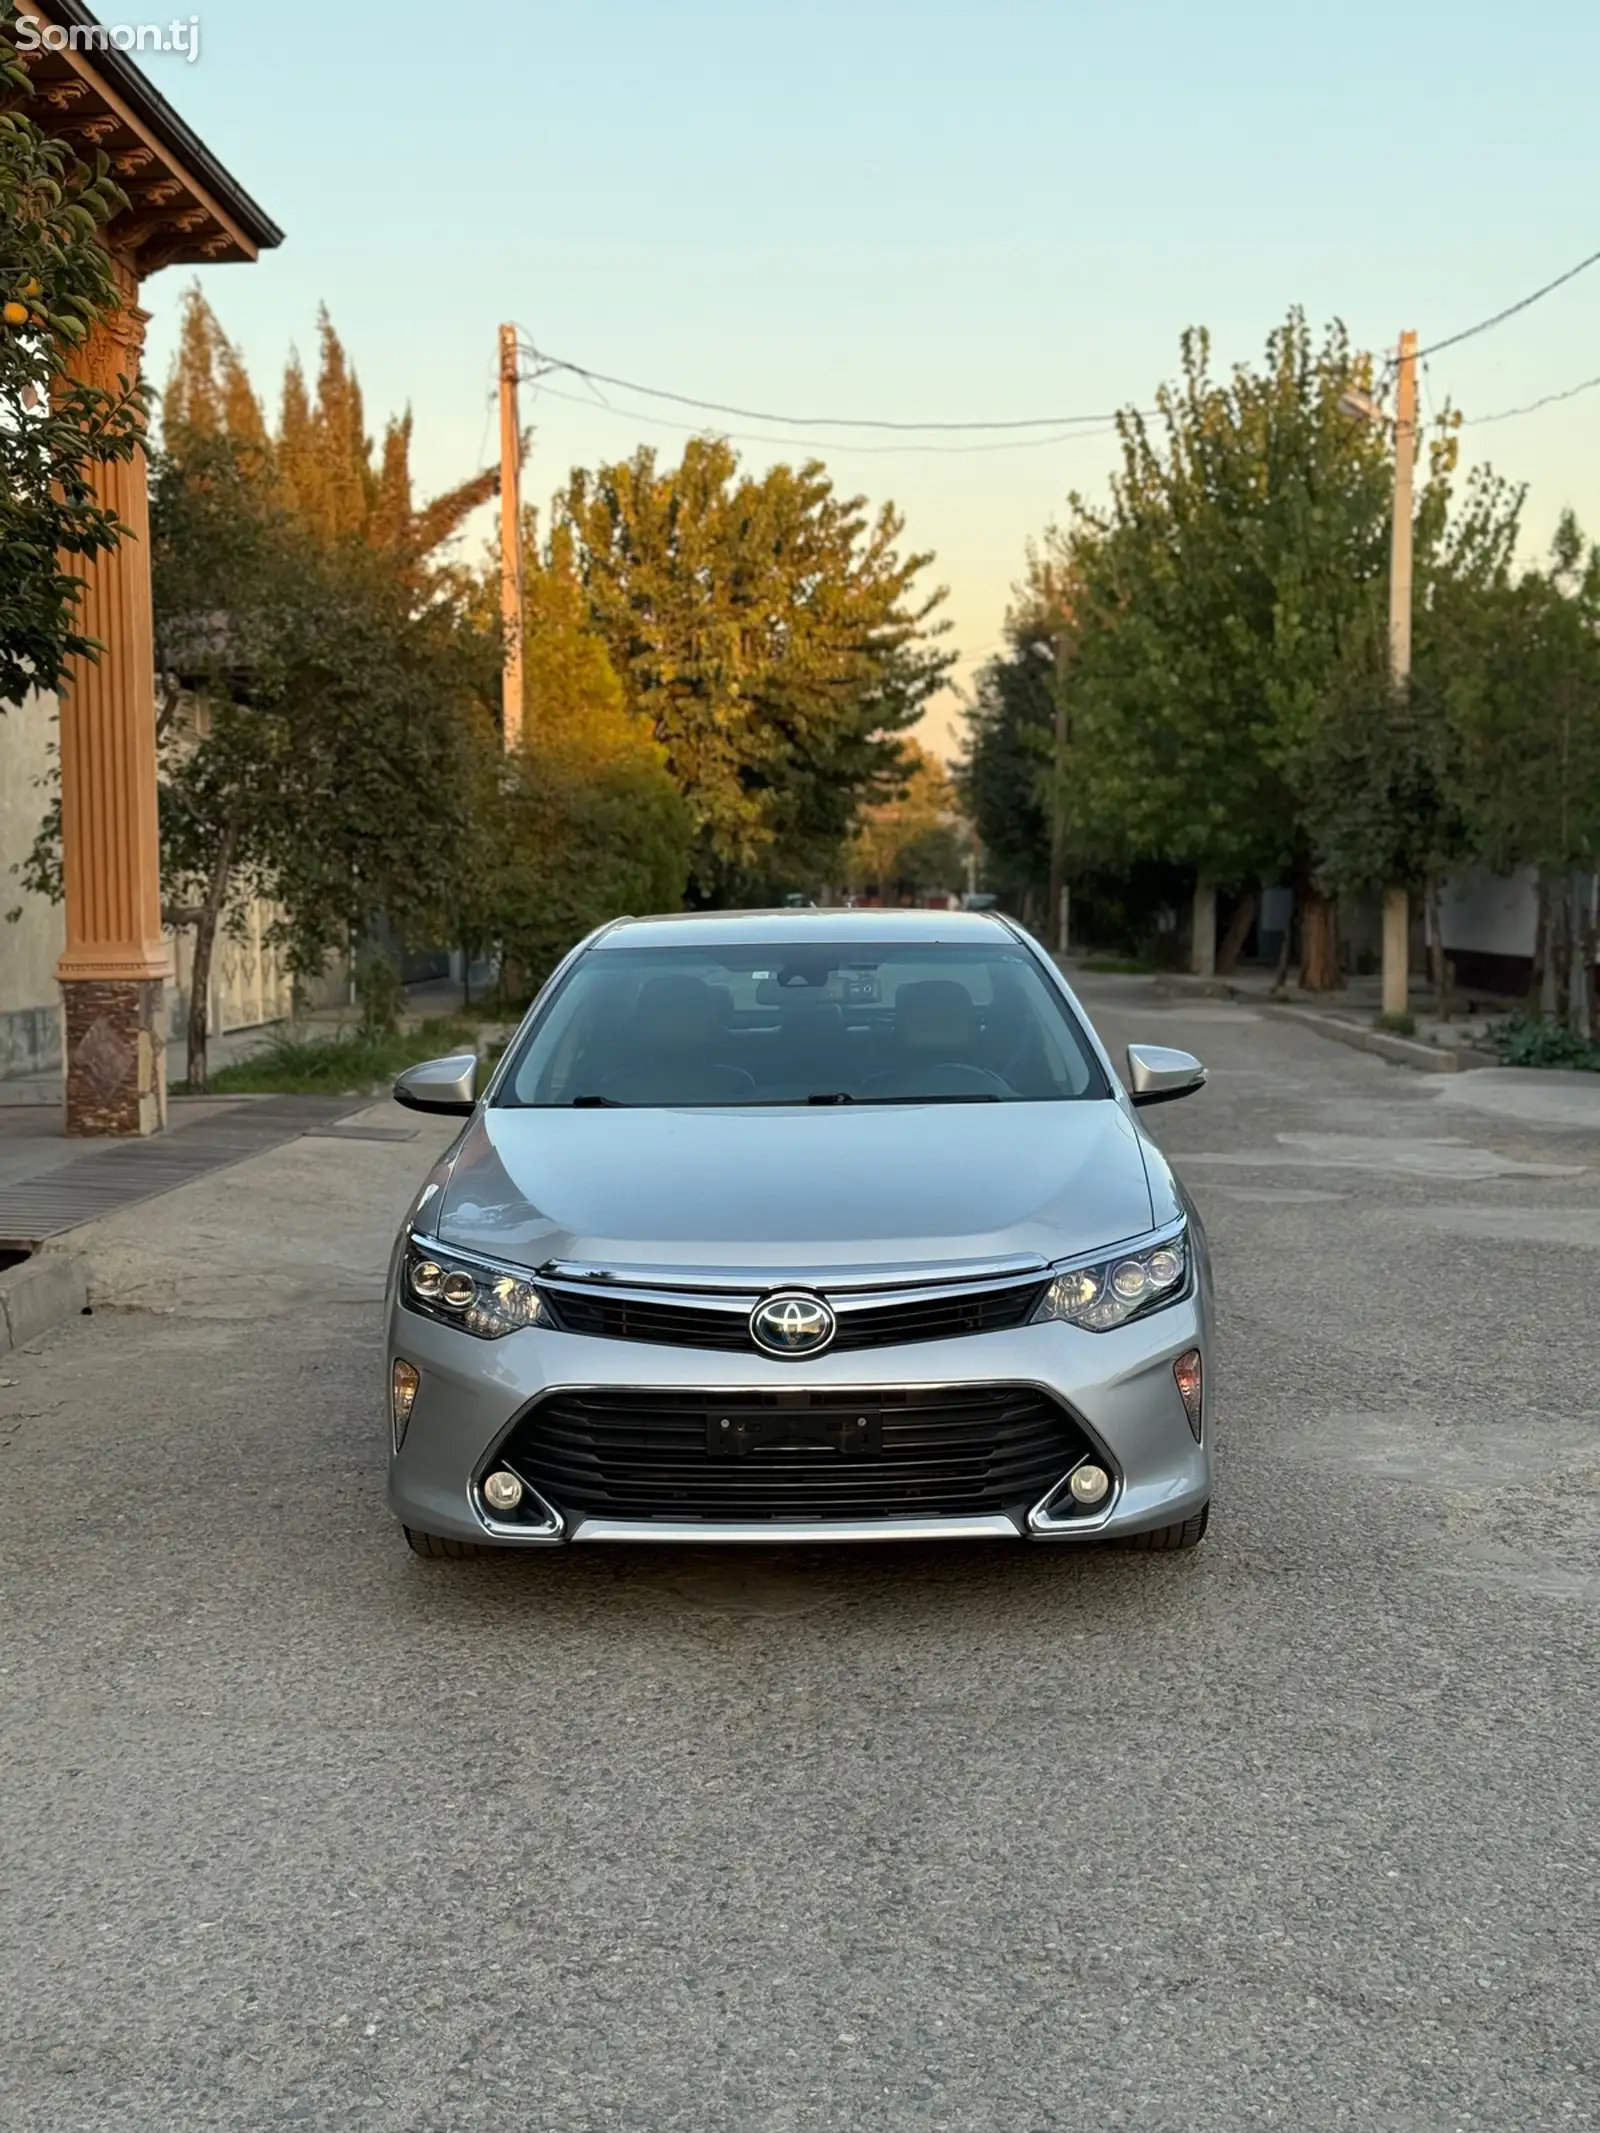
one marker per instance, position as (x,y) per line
(1189,1533)
(436,1547)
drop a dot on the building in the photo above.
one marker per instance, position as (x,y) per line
(103,954)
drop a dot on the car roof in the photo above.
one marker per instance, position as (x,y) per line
(734,929)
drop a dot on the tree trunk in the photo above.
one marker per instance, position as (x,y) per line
(1280,976)
(1557,951)
(1541,945)
(1438,968)
(205,941)
(1203,957)
(1239,924)
(1029,901)
(1580,972)
(1319,943)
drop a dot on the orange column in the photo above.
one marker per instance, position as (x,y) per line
(114,969)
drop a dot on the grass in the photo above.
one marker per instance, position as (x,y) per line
(1115,966)
(1526,1041)
(1401,1025)
(347,1063)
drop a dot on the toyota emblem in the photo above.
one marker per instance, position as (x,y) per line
(793,1325)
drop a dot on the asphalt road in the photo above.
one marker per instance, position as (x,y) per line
(1297,1832)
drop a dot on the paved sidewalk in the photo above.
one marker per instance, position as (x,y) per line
(1359,1001)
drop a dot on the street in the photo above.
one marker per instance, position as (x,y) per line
(1298,1831)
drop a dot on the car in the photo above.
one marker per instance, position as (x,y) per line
(801,1226)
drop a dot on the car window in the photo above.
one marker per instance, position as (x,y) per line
(801,1023)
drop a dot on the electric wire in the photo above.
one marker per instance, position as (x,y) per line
(1102,423)
(804,422)
(1523,303)
(1505,414)
(1007,444)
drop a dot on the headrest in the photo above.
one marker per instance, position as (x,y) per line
(676,1010)
(935,1013)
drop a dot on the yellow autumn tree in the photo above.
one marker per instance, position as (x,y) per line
(915,840)
(322,464)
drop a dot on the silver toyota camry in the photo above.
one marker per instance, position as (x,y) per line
(801,1225)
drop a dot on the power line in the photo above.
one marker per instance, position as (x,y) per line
(1011,444)
(1498,318)
(1504,414)
(806,422)
(1084,425)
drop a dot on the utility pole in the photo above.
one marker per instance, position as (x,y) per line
(1396,910)
(510,541)
(1058,909)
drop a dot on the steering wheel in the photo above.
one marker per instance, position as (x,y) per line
(942,1078)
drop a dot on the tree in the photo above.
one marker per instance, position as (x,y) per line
(1003,772)
(56,283)
(1229,691)
(1218,600)
(912,841)
(318,726)
(772,635)
(1518,667)
(321,466)
(584,820)
(323,676)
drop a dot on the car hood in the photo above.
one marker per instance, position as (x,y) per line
(773,1194)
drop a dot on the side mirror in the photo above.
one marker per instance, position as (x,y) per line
(1157,1075)
(449,1085)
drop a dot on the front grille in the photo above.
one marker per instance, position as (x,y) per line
(703,1323)
(941,1451)
(624,1318)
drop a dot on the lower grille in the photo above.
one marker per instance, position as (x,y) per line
(941,1452)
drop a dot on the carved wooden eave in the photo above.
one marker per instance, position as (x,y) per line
(184,208)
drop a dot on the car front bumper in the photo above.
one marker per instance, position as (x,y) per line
(1116,1392)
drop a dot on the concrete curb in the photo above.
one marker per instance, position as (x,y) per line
(1399,1051)
(40,1293)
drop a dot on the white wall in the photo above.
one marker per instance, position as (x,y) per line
(1491,914)
(30,1010)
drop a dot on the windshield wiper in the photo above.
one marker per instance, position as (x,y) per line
(598,1103)
(972,1097)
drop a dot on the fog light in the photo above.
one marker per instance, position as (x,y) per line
(1188,1373)
(1089,1483)
(403,1382)
(502,1491)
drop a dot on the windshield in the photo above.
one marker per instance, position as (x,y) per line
(804,1023)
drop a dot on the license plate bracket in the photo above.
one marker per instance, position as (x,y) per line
(848,1432)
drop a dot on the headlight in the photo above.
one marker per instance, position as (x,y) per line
(473,1294)
(1108,1292)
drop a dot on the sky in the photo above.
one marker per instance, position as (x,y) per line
(954,211)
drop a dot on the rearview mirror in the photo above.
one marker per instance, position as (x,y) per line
(449,1085)
(1157,1075)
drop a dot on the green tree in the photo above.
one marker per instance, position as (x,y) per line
(584,820)
(318,726)
(772,634)
(55,430)
(1229,696)
(1003,772)
(1518,667)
